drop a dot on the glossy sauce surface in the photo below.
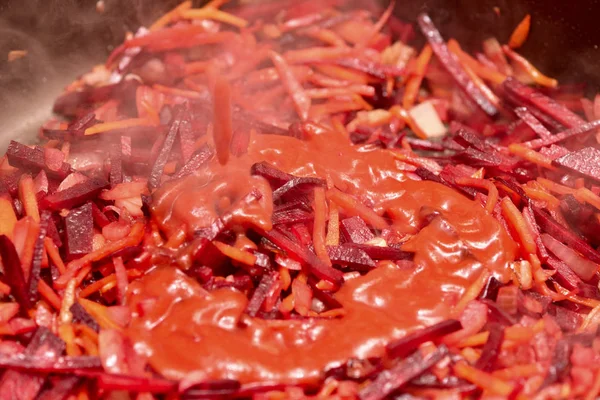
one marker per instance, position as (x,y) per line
(184,329)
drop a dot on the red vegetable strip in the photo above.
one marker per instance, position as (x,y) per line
(378,26)
(115,125)
(291,84)
(532,122)
(319,224)
(536,75)
(222,123)
(403,346)
(158,167)
(135,236)
(235,254)
(482,71)
(531,155)
(36,262)
(54,255)
(8,219)
(122,279)
(483,379)
(451,63)
(492,199)
(354,207)
(519,35)
(14,272)
(214,14)
(583,129)
(27,196)
(414,82)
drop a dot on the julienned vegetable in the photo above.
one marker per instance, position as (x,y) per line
(288,199)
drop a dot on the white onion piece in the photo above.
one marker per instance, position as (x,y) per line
(584,268)
(427,118)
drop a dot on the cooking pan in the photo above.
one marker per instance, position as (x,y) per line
(63,38)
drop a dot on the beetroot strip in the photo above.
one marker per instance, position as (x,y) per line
(14,272)
(38,253)
(261,292)
(452,65)
(403,346)
(163,155)
(75,195)
(491,349)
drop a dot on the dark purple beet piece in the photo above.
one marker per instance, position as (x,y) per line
(326,298)
(81,316)
(135,383)
(260,293)
(355,230)
(353,257)
(564,275)
(490,291)
(568,320)
(116,164)
(75,195)
(560,362)
(426,145)
(38,254)
(13,272)
(291,216)
(296,186)
(305,256)
(392,379)
(100,219)
(25,385)
(491,349)
(79,231)
(532,122)
(407,344)
(559,232)
(496,314)
(61,389)
(52,232)
(34,160)
(212,389)
(197,160)
(452,65)
(578,131)
(60,365)
(543,103)
(585,162)
(391,252)
(165,151)
(276,177)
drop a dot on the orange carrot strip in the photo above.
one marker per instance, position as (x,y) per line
(26,256)
(481,70)
(214,14)
(50,295)
(285,277)
(54,255)
(134,237)
(96,286)
(319,225)
(366,40)
(8,219)
(67,334)
(235,254)
(516,220)
(472,291)
(333,228)
(325,35)
(170,16)
(354,207)
(482,379)
(414,82)
(122,124)
(27,197)
(176,92)
(196,67)
(334,107)
(222,125)
(293,87)
(586,195)
(401,113)
(555,187)
(540,194)
(520,33)
(532,71)
(100,314)
(483,184)
(531,155)
(519,372)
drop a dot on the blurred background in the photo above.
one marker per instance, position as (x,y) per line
(63,38)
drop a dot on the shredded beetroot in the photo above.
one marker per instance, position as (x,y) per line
(179,116)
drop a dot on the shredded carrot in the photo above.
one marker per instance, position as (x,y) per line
(177,238)
(27,197)
(354,207)
(378,26)
(222,123)
(291,84)
(586,195)
(402,114)
(540,194)
(122,124)
(47,293)
(134,237)
(520,33)
(532,71)
(515,219)
(214,14)
(170,16)
(54,255)
(555,187)
(591,317)
(176,92)
(100,313)
(96,286)
(197,67)
(26,255)
(483,379)
(65,315)
(327,36)
(592,303)
(333,227)
(414,82)
(67,334)
(481,70)
(531,155)
(8,219)
(519,372)
(319,225)
(472,291)
(236,254)
(492,198)
(284,276)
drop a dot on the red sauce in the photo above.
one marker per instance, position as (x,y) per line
(183,328)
